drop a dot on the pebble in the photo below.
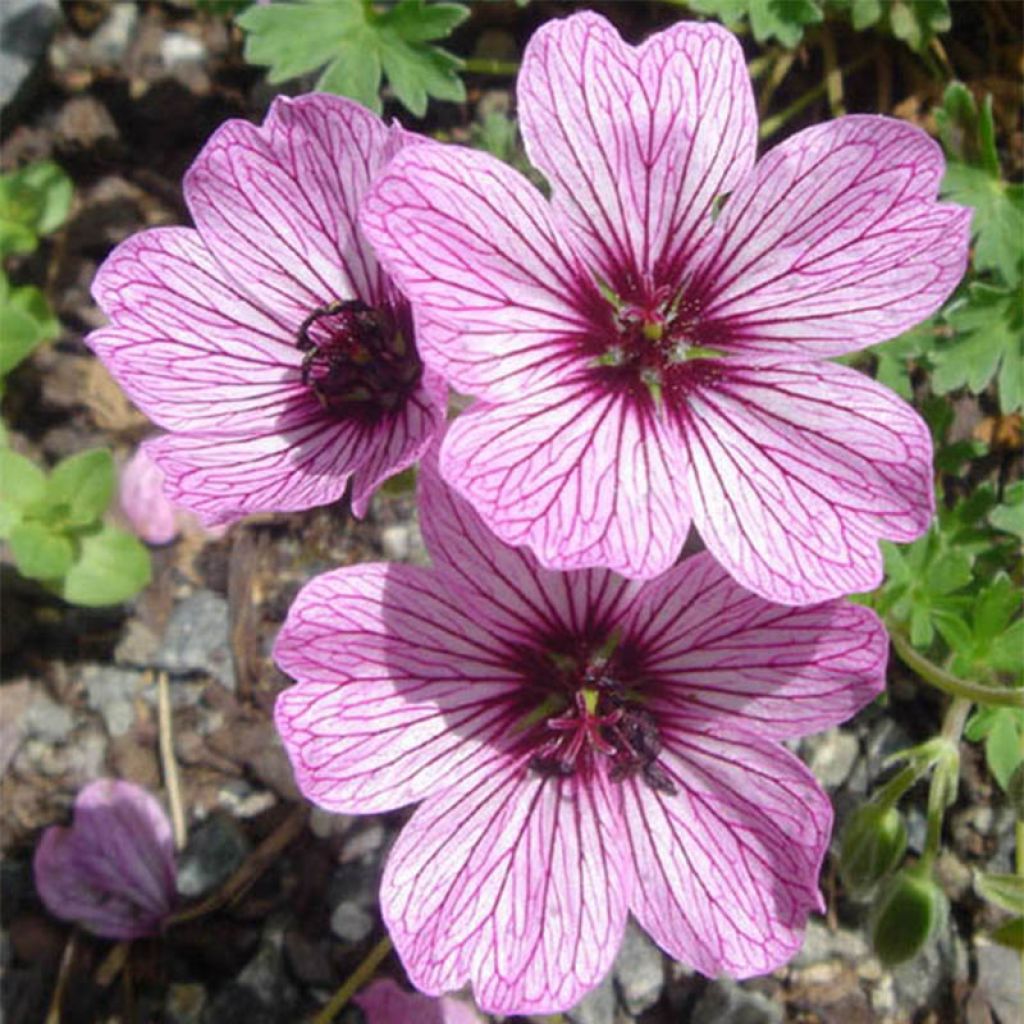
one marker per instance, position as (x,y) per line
(25,27)
(999,980)
(822,944)
(884,739)
(215,850)
(597,1006)
(196,639)
(180,48)
(112,692)
(47,720)
(639,971)
(107,45)
(724,1002)
(351,923)
(831,756)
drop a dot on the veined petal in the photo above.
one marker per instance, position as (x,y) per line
(510,587)
(513,882)
(278,204)
(584,478)
(189,348)
(471,243)
(835,242)
(637,142)
(795,472)
(361,747)
(400,440)
(112,871)
(724,653)
(727,866)
(303,461)
(386,621)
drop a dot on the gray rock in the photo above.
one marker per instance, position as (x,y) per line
(822,944)
(831,756)
(724,1002)
(999,981)
(25,30)
(639,971)
(885,738)
(197,640)
(48,720)
(215,850)
(108,44)
(922,983)
(596,1007)
(265,976)
(351,923)
(112,692)
(180,48)
(138,645)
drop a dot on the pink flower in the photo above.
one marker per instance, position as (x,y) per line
(143,502)
(384,1002)
(269,342)
(112,871)
(583,746)
(644,357)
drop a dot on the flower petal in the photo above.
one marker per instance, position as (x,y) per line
(113,870)
(720,652)
(727,867)
(795,472)
(583,478)
(471,243)
(514,882)
(383,1002)
(190,349)
(398,693)
(835,242)
(278,204)
(637,142)
(304,461)
(401,439)
(509,587)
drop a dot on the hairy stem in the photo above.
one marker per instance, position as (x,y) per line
(993,696)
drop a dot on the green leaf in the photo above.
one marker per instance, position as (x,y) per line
(1009,516)
(356,74)
(81,486)
(894,357)
(39,553)
(1011,933)
(769,19)
(418,22)
(19,337)
(112,566)
(22,485)
(357,44)
(1002,746)
(973,178)
(988,342)
(917,21)
(1004,890)
(33,201)
(293,38)
(32,301)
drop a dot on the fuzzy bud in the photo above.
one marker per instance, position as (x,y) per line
(910,910)
(872,845)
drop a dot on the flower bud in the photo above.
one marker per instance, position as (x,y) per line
(873,842)
(910,910)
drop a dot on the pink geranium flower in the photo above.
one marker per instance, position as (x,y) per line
(645,357)
(112,871)
(583,746)
(384,1002)
(268,341)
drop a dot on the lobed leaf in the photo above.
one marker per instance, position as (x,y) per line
(112,565)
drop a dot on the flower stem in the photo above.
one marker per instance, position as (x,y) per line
(993,696)
(490,66)
(945,777)
(354,982)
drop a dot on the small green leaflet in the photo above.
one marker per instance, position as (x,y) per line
(359,44)
(915,22)
(973,178)
(987,342)
(1001,729)
(769,19)
(34,201)
(1009,516)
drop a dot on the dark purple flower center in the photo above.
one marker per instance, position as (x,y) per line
(359,360)
(589,711)
(654,344)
